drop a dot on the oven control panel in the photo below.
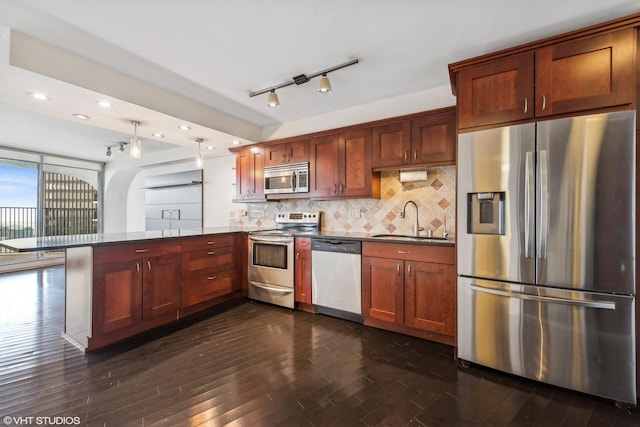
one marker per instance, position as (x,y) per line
(299,218)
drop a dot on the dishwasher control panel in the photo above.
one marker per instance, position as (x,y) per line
(336,245)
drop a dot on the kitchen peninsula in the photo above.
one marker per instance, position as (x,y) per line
(122,284)
(119,285)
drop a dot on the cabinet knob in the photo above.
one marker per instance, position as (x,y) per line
(211,277)
(415,155)
(526,105)
(335,188)
(544,102)
(341,188)
(406,156)
(211,253)
(141,251)
(409,268)
(211,243)
(138,267)
(403,252)
(149,265)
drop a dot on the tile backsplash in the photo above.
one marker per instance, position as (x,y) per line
(435,198)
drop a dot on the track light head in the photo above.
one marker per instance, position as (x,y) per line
(108,153)
(324,85)
(272,99)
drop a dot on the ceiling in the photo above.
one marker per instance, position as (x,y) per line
(210,55)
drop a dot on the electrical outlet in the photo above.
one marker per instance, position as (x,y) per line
(354,213)
(256,213)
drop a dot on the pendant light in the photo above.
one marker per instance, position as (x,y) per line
(199,158)
(324,85)
(136,144)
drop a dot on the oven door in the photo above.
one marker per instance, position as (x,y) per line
(271,260)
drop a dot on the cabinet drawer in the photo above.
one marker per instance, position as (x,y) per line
(303,244)
(207,287)
(425,253)
(196,263)
(205,242)
(137,250)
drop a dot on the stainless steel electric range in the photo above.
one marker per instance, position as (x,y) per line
(271,261)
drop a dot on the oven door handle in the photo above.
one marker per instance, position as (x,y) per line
(272,239)
(269,288)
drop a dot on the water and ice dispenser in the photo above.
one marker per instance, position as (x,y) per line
(485,213)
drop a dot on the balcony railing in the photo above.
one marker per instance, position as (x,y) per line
(20,222)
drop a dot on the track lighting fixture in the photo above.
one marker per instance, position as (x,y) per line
(324,86)
(108,153)
(135,151)
(199,158)
(121,149)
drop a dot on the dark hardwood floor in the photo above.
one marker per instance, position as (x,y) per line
(256,364)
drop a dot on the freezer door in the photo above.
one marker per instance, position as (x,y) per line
(578,340)
(496,191)
(586,203)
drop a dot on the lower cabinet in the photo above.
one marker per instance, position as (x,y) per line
(410,289)
(302,273)
(135,286)
(142,285)
(210,267)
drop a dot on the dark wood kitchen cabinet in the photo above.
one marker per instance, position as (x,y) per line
(425,140)
(210,270)
(410,289)
(133,285)
(250,174)
(287,152)
(302,273)
(340,166)
(571,74)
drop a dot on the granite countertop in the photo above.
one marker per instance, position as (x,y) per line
(31,244)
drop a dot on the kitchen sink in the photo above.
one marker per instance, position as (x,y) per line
(409,237)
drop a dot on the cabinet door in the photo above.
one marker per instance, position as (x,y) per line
(382,289)
(391,144)
(298,151)
(433,138)
(160,286)
(323,166)
(302,281)
(585,74)
(250,174)
(354,171)
(497,92)
(275,155)
(117,296)
(430,297)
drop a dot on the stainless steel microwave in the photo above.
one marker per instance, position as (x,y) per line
(285,179)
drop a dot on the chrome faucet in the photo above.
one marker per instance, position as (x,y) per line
(416,227)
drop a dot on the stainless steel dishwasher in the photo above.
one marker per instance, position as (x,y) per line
(336,277)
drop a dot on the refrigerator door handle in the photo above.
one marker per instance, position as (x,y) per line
(529,197)
(607,305)
(543,204)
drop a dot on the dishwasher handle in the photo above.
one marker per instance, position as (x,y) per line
(334,245)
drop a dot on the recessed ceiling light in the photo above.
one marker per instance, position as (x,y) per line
(39,96)
(184,127)
(105,104)
(236,142)
(210,147)
(81,116)
(158,135)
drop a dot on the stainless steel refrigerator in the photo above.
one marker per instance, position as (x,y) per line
(546,252)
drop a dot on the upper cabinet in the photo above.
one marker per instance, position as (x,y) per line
(425,140)
(287,152)
(592,72)
(250,175)
(340,166)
